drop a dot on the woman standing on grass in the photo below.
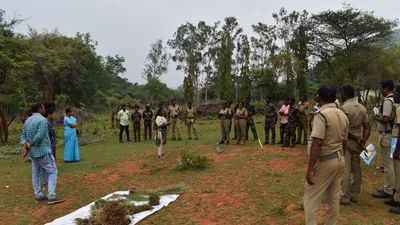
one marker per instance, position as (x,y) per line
(71,151)
(161,131)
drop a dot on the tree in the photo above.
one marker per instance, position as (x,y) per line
(114,65)
(156,61)
(243,61)
(224,76)
(190,43)
(346,41)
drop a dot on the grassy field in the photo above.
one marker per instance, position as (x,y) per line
(243,184)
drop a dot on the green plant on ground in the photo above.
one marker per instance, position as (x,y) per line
(154,199)
(192,161)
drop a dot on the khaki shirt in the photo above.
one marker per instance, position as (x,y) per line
(174,111)
(225,113)
(397,121)
(303,107)
(241,112)
(387,110)
(357,115)
(332,126)
(190,113)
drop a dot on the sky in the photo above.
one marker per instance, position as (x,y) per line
(129,27)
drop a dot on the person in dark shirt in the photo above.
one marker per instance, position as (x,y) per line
(251,112)
(270,121)
(49,114)
(147,118)
(136,118)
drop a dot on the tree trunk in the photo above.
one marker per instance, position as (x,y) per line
(4,125)
(113,113)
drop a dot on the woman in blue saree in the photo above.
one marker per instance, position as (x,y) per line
(71,150)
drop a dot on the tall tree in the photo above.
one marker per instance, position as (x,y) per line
(157,61)
(243,61)
(225,62)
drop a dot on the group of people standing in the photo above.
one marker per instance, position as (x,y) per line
(39,141)
(292,117)
(158,122)
(339,134)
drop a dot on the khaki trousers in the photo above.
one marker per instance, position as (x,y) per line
(225,129)
(351,188)
(302,129)
(241,123)
(190,127)
(396,163)
(327,180)
(175,128)
(385,142)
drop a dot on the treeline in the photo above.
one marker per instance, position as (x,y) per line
(51,67)
(289,58)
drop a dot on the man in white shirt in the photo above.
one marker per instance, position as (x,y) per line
(123,117)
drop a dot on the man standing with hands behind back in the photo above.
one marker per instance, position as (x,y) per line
(326,163)
(173,116)
(385,126)
(359,131)
(123,117)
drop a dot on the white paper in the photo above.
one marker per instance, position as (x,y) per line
(84,212)
(376,111)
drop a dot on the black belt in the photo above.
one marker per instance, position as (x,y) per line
(334,155)
(386,132)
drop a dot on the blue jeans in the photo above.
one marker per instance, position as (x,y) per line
(48,165)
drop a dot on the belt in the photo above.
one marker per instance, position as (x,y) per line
(385,132)
(333,155)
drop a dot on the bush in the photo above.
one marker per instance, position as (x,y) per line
(154,199)
(191,161)
(259,106)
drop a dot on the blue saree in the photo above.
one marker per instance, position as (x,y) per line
(71,150)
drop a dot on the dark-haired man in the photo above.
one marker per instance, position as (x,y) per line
(395,201)
(302,131)
(173,115)
(147,118)
(270,121)
(123,117)
(225,115)
(326,163)
(359,131)
(251,112)
(293,121)
(136,118)
(35,137)
(385,126)
(284,111)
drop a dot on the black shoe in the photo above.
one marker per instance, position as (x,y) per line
(266,142)
(344,202)
(391,202)
(41,199)
(173,139)
(395,210)
(354,200)
(55,201)
(381,194)
(222,142)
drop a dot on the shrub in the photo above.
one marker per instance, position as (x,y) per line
(154,199)
(191,161)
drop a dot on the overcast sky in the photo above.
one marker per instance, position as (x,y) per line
(128,27)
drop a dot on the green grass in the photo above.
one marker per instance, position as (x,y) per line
(238,187)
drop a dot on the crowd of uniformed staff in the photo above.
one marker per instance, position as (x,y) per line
(340,129)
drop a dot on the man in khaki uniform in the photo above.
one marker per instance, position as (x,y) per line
(302,130)
(241,118)
(326,164)
(173,116)
(225,115)
(395,201)
(190,117)
(359,131)
(385,126)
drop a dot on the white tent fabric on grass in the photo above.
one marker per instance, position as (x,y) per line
(84,212)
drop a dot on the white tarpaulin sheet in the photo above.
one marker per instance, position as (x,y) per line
(84,212)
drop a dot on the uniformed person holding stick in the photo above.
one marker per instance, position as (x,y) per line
(326,163)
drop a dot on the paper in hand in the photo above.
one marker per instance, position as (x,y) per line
(394,143)
(376,111)
(368,154)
